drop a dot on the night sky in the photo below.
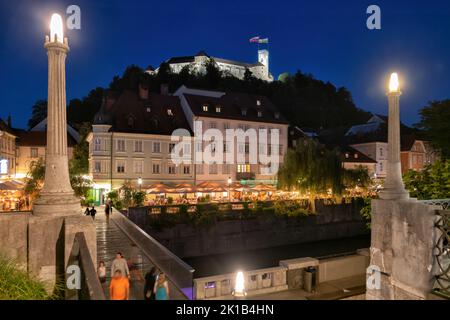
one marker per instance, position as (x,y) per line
(328,39)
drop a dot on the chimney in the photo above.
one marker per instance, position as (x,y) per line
(143,92)
(164,89)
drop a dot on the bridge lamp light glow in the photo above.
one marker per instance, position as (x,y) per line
(394,83)
(56,28)
(239,287)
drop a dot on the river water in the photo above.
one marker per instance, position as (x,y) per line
(269,257)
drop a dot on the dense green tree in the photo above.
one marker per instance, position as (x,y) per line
(38,113)
(433,182)
(311,167)
(435,121)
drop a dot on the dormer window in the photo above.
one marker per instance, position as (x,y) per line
(258,102)
(347,155)
(356,156)
(148,109)
(205,108)
(277,115)
(218,109)
(169,112)
(259,113)
(130,121)
(244,111)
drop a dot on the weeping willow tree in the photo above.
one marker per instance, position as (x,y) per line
(313,169)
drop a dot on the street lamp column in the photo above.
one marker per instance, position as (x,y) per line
(394,187)
(57,196)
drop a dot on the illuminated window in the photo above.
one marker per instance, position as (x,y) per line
(169,112)
(242,168)
(120,145)
(120,167)
(155,168)
(97,167)
(138,146)
(205,108)
(172,169)
(218,109)
(259,113)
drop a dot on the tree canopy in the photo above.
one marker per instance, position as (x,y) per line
(433,182)
(435,121)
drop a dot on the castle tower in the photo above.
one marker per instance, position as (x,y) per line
(263,58)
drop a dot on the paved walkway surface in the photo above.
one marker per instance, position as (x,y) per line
(110,240)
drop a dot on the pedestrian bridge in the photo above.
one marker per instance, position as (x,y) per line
(117,233)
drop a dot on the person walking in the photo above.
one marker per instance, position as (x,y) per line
(110,206)
(107,209)
(119,288)
(119,263)
(150,279)
(161,289)
(101,272)
(87,212)
(93,212)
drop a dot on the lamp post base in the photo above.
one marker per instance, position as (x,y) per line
(57,204)
(394,194)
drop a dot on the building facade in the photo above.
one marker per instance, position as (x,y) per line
(196,64)
(222,111)
(131,142)
(377,151)
(7,150)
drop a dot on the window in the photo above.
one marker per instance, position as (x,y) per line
(218,109)
(277,115)
(347,155)
(156,147)
(120,167)
(356,156)
(244,112)
(186,169)
(169,112)
(226,168)
(187,149)
(247,147)
(226,125)
(171,169)
(226,149)
(258,102)
(139,166)
(241,148)
(34,152)
(130,121)
(97,144)
(148,109)
(120,145)
(212,125)
(171,147)
(381,166)
(213,168)
(138,146)
(205,108)
(155,168)
(381,152)
(97,166)
(259,113)
(243,168)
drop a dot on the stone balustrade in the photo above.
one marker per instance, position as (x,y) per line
(259,281)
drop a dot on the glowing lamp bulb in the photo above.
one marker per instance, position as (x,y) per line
(393,83)
(239,289)
(56,28)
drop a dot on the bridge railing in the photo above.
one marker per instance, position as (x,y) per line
(442,253)
(91,288)
(179,273)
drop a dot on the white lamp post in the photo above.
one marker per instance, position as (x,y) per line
(239,286)
(57,196)
(140,183)
(229,189)
(394,187)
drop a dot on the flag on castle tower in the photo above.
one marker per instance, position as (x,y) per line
(259,40)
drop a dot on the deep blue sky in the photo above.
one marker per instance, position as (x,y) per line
(327,38)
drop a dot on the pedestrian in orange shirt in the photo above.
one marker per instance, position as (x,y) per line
(119,289)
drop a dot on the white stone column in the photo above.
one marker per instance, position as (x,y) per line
(57,196)
(393,186)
